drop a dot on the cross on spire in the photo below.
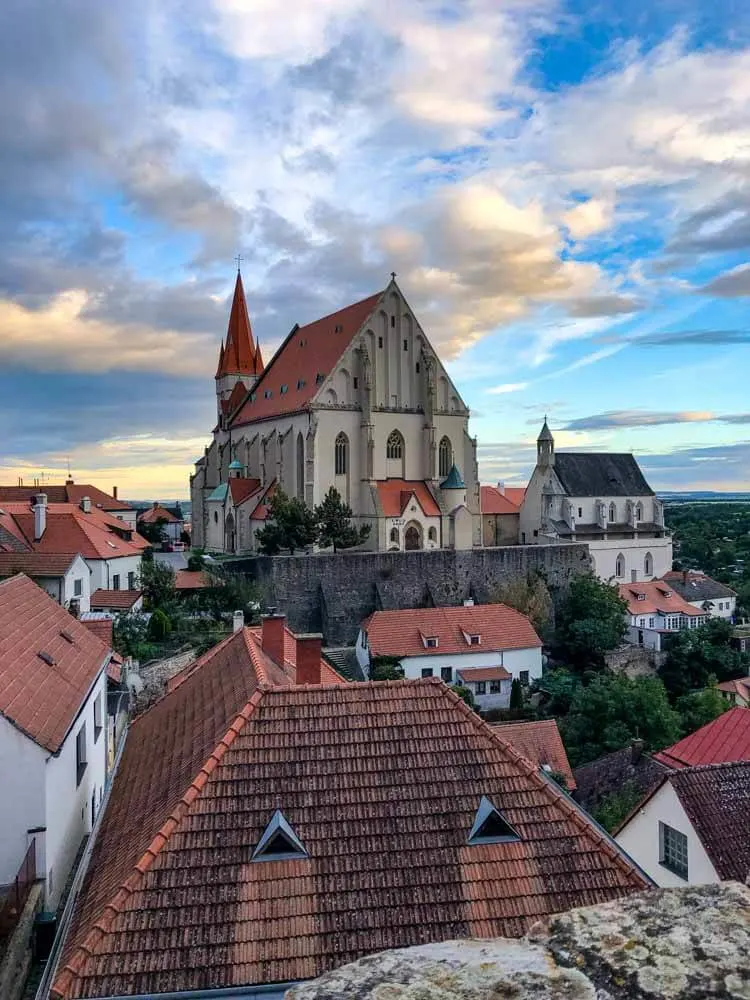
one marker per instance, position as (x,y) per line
(393,275)
(238,258)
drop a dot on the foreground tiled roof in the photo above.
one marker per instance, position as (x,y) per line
(658,596)
(717,801)
(68,493)
(36,563)
(495,502)
(541,743)
(395,494)
(121,600)
(628,767)
(400,633)
(600,474)
(39,697)
(725,739)
(307,352)
(173,901)
(97,535)
(694,586)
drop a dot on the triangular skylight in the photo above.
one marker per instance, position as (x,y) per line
(489,826)
(279,841)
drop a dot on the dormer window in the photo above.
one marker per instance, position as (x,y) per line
(667,593)
(279,842)
(319,378)
(430,641)
(252,397)
(640,597)
(338,328)
(284,390)
(474,640)
(300,383)
(490,827)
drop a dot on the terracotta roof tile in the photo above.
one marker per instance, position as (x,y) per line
(307,352)
(186,579)
(495,502)
(36,563)
(739,686)
(68,493)
(658,596)
(101,627)
(241,488)
(395,494)
(725,739)
(121,600)
(172,900)
(541,743)
(157,513)
(97,535)
(400,633)
(628,767)
(40,698)
(472,674)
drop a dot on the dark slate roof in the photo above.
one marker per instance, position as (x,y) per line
(598,779)
(717,801)
(697,587)
(595,474)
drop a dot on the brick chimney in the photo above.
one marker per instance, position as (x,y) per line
(272,635)
(636,750)
(40,515)
(308,658)
(114,492)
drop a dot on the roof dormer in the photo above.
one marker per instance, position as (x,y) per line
(430,641)
(279,842)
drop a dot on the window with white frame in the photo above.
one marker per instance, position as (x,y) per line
(78,588)
(98,717)
(446,674)
(480,687)
(427,671)
(81,761)
(673,850)
(495,687)
(116,581)
(523,677)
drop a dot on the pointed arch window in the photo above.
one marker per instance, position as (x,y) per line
(341,455)
(620,565)
(394,535)
(612,512)
(648,565)
(445,457)
(279,842)
(639,511)
(395,446)
(490,826)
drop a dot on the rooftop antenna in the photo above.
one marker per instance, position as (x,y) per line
(68,467)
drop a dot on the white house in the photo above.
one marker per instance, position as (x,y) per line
(65,577)
(714,598)
(485,647)
(170,520)
(53,743)
(655,610)
(601,499)
(358,400)
(693,828)
(111,549)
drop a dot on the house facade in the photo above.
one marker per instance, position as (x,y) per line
(358,400)
(483,647)
(170,520)
(713,598)
(53,742)
(655,611)
(601,499)
(65,577)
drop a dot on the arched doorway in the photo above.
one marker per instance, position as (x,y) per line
(413,537)
(229,527)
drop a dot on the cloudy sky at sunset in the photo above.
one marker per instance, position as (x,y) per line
(562,187)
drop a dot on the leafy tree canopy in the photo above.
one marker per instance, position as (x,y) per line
(530,596)
(290,525)
(516,696)
(334,521)
(695,655)
(605,714)
(464,694)
(590,621)
(700,707)
(157,583)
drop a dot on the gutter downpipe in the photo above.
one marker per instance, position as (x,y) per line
(62,931)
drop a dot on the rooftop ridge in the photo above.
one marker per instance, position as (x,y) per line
(102,924)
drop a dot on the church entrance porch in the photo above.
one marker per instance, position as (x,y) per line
(413,537)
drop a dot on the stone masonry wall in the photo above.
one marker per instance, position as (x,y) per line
(332,593)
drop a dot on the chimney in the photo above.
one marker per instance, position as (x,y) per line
(636,749)
(86,505)
(469,602)
(114,492)
(501,488)
(272,635)
(308,658)
(40,515)
(685,577)
(238,621)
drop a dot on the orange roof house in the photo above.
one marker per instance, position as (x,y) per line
(541,743)
(264,834)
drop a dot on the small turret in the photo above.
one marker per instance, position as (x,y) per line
(545,446)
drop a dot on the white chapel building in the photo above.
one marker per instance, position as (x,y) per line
(358,400)
(602,499)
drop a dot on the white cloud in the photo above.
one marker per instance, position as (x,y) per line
(590,217)
(500,390)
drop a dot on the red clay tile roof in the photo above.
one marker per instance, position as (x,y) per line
(235,397)
(157,513)
(36,563)
(172,900)
(395,494)
(399,633)
(740,686)
(186,579)
(495,502)
(97,535)
(237,355)
(307,352)
(101,627)
(122,600)
(725,739)
(541,743)
(40,698)
(656,599)
(717,801)
(114,669)
(69,493)
(515,494)
(473,674)
(241,488)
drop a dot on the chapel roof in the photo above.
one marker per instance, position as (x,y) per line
(600,474)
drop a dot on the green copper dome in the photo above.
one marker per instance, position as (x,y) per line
(453,480)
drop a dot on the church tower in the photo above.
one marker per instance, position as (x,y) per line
(545,447)
(240,359)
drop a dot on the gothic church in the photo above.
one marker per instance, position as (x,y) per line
(357,400)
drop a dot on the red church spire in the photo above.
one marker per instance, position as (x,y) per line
(239,356)
(220,366)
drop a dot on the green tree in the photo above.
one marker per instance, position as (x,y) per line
(386,668)
(605,714)
(700,707)
(590,621)
(614,807)
(557,689)
(695,655)
(159,626)
(290,525)
(228,592)
(157,583)
(153,532)
(130,634)
(529,595)
(195,563)
(334,520)
(516,696)
(464,694)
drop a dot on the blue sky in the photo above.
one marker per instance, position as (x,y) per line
(562,187)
